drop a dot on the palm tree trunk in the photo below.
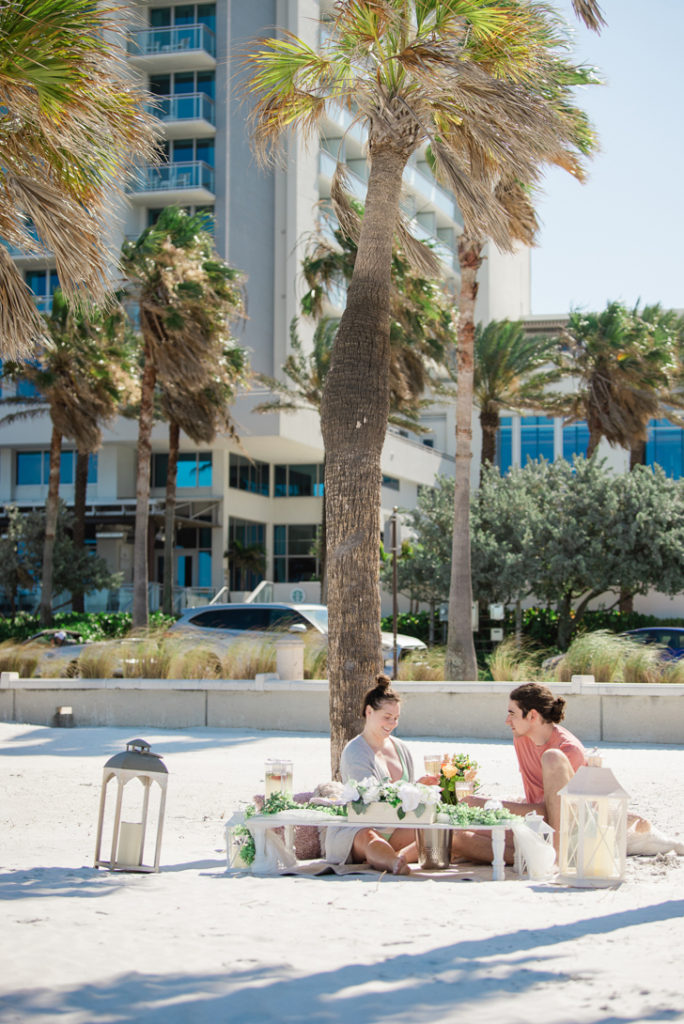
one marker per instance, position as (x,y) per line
(80,489)
(142,493)
(322,548)
(489,421)
(460,662)
(354,414)
(51,512)
(169,517)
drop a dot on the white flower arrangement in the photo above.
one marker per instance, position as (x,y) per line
(404,797)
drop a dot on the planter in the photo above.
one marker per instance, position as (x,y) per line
(380,812)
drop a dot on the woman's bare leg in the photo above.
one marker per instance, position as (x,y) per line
(371,847)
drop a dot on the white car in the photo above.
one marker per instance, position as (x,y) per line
(228,622)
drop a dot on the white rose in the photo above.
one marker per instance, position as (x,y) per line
(431,795)
(372,793)
(410,796)
(349,792)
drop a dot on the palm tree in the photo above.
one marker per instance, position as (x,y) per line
(81,375)
(422,322)
(187,296)
(72,126)
(471,78)
(625,367)
(508,374)
(201,414)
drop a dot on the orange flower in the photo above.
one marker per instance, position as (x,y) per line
(449,770)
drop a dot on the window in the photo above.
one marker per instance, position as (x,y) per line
(390,482)
(247,547)
(575,440)
(194,469)
(183,82)
(192,556)
(245,475)
(665,448)
(536,438)
(504,444)
(294,558)
(299,481)
(43,284)
(33,468)
(184,14)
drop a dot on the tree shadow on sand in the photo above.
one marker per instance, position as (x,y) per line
(449,983)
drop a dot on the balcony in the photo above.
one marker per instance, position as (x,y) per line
(28,257)
(176,48)
(183,183)
(187,114)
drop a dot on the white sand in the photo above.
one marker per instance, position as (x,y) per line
(196,944)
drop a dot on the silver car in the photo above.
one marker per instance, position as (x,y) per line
(226,622)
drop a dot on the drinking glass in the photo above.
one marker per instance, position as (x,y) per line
(278,776)
(433,764)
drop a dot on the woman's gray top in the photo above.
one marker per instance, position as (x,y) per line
(358,762)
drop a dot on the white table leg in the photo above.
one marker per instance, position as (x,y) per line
(498,847)
(260,863)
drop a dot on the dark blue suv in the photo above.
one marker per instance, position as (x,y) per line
(670,638)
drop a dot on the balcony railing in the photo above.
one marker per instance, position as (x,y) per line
(149,42)
(174,177)
(192,106)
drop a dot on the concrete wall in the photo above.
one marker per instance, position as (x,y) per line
(596,712)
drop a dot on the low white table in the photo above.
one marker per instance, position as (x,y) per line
(260,824)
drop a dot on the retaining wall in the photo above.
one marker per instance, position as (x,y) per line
(597,712)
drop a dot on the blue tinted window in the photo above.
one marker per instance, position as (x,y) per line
(204,476)
(204,569)
(66,468)
(504,444)
(536,438)
(575,440)
(29,468)
(186,473)
(92,469)
(665,447)
(25,389)
(279,540)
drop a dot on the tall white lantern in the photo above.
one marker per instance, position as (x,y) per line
(135,771)
(593,829)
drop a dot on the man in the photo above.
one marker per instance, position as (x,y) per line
(548,757)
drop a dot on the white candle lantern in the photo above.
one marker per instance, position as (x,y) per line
(132,769)
(593,831)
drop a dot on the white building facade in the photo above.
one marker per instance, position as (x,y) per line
(266,490)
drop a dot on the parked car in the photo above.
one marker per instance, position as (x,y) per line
(226,623)
(669,638)
(58,648)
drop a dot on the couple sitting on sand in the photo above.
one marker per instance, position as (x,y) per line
(548,757)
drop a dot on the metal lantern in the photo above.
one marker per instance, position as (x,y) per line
(133,768)
(593,830)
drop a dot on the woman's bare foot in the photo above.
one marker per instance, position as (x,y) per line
(400,867)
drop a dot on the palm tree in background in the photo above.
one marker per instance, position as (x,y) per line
(626,368)
(487,86)
(202,414)
(72,127)
(508,374)
(188,295)
(82,374)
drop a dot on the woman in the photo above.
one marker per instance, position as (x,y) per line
(376,753)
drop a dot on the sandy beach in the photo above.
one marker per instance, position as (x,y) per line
(198,944)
